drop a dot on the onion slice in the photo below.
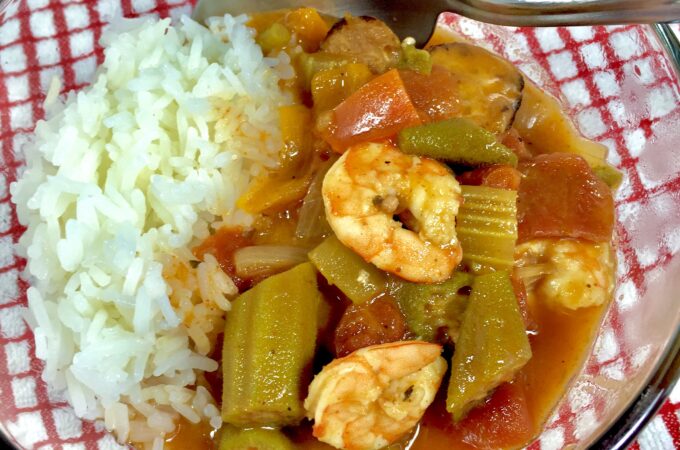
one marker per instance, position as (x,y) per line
(531,273)
(312,218)
(262,259)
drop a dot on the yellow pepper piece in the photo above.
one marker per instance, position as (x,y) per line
(330,87)
(309,27)
(309,64)
(276,190)
(261,21)
(272,192)
(295,121)
(275,37)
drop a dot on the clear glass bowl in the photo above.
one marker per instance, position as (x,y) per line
(618,83)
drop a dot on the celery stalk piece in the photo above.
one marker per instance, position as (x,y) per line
(412,58)
(269,343)
(609,174)
(486,226)
(359,280)
(492,345)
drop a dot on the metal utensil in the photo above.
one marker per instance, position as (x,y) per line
(417,18)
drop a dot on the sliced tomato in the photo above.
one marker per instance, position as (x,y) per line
(377,111)
(496,176)
(504,421)
(521,294)
(560,196)
(223,244)
(514,142)
(434,95)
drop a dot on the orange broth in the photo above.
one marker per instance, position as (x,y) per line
(560,343)
(191,435)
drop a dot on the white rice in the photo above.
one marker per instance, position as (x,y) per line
(121,181)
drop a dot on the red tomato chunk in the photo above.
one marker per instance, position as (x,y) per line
(504,421)
(434,95)
(496,176)
(377,111)
(561,197)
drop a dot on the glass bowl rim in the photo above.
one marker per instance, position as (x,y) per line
(641,409)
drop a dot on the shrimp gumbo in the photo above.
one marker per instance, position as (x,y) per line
(427,265)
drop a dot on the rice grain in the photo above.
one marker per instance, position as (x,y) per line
(122,180)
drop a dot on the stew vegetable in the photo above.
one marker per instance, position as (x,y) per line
(427,266)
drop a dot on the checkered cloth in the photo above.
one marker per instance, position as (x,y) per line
(616,83)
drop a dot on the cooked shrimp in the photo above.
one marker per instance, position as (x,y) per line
(568,272)
(375,395)
(372,183)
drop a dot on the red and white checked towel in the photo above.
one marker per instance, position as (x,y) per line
(615,81)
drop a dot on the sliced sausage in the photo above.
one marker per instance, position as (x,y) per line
(489,88)
(365,39)
(376,322)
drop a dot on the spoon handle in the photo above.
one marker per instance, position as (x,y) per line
(560,13)
(417,18)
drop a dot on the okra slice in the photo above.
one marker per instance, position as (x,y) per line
(457,141)
(492,345)
(432,308)
(232,438)
(269,343)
